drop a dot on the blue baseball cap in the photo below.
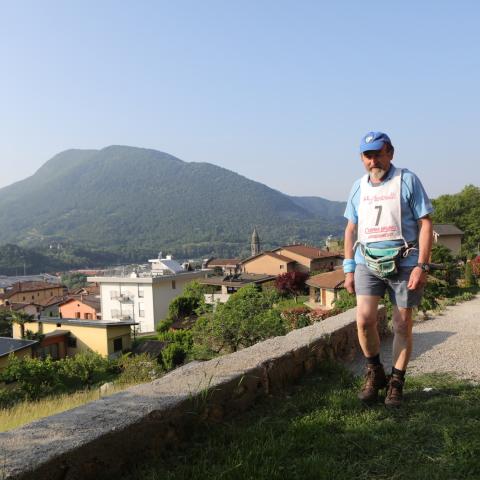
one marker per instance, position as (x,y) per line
(374,141)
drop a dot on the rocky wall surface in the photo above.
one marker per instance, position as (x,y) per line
(104,438)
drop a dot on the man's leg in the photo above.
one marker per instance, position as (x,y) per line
(369,339)
(403,337)
(367,312)
(404,300)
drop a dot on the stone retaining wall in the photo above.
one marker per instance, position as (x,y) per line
(102,439)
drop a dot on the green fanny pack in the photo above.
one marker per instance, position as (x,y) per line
(382,261)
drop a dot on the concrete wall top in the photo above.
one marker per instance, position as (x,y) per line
(84,437)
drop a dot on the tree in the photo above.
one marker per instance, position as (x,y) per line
(21,318)
(463,210)
(291,283)
(188,303)
(245,319)
(74,280)
(5,323)
(443,255)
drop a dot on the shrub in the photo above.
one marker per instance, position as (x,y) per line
(173,355)
(246,318)
(469,278)
(138,369)
(291,283)
(164,325)
(345,301)
(184,338)
(85,368)
(34,377)
(297,317)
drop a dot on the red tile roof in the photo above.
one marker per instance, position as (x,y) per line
(308,251)
(21,287)
(332,279)
(270,254)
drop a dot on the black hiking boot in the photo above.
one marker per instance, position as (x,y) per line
(394,396)
(375,380)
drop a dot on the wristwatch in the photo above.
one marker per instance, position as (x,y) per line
(424,266)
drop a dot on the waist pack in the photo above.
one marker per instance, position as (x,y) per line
(383,262)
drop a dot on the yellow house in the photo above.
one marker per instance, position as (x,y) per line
(324,288)
(69,336)
(310,259)
(20,348)
(268,263)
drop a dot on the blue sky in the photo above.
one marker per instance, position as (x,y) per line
(278,91)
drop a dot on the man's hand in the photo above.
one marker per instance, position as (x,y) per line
(418,278)
(350,282)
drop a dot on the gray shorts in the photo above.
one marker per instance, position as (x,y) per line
(367,283)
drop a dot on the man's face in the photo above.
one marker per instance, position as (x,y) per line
(377,162)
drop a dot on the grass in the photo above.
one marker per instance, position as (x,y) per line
(320,431)
(28,411)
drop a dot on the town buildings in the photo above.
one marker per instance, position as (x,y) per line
(144,297)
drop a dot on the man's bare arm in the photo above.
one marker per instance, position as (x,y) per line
(425,239)
(349,241)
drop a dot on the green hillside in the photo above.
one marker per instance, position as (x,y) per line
(126,200)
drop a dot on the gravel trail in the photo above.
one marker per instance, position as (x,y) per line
(446,343)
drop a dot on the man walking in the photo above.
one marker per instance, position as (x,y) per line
(388,214)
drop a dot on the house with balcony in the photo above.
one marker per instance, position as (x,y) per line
(221,287)
(143,297)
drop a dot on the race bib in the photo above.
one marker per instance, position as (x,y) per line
(380,211)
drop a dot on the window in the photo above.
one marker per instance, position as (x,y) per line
(141,309)
(281,266)
(117,344)
(141,292)
(24,298)
(88,316)
(77,314)
(72,341)
(174,286)
(33,297)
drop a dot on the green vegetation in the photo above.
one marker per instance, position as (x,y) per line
(74,280)
(30,379)
(245,319)
(321,431)
(463,210)
(124,188)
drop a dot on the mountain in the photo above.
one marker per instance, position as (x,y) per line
(124,199)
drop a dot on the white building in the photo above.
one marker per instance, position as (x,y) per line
(145,297)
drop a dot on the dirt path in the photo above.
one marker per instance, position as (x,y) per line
(446,343)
